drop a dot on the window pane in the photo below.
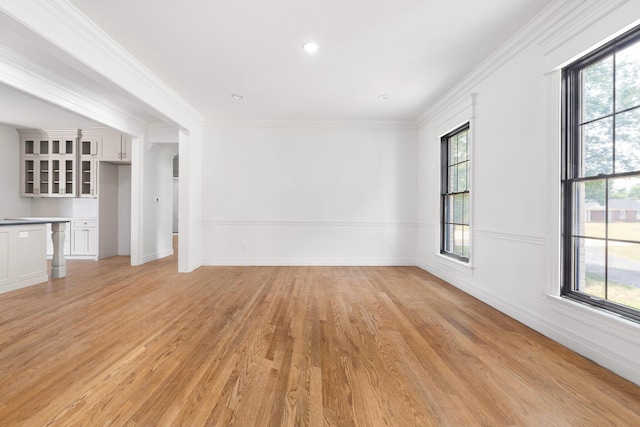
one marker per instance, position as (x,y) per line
(465,210)
(453,179)
(624,205)
(458,239)
(597,90)
(597,148)
(628,77)
(465,241)
(448,238)
(453,150)
(462,176)
(589,259)
(623,284)
(589,209)
(448,209)
(628,141)
(458,208)
(463,146)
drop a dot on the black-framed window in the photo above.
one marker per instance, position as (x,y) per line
(455,196)
(601,177)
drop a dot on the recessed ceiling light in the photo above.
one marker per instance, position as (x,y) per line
(310,47)
(237,96)
(383,97)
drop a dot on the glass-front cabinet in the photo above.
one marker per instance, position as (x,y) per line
(64,163)
(48,163)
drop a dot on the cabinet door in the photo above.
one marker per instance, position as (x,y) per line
(79,243)
(69,165)
(92,241)
(62,176)
(111,148)
(43,178)
(125,153)
(84,241)
(89,147)
(35,147)
(77,240)
(62,146)
(29,174)
(35,177)
(88,178)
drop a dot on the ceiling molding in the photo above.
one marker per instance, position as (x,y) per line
(377,124)
(66,27)
(549,18)
(583,16)
(29,77)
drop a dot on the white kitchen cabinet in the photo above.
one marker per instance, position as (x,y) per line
(88,178)
(84,237)
(89,147)
(35,176)
(48,163)
(22,260)
(34,164)
(116,148)
(62,176)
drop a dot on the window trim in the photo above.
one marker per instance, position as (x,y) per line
(444,189)
(570,141)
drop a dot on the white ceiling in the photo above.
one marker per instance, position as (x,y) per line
(412,50)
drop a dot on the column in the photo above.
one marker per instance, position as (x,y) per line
(58,263)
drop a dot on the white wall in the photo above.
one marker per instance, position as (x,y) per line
(124,210)
(12,204)
(176,202)
(108,210)
(157,203)
(515,188)
(308,195)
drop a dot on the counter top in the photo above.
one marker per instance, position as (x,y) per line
(27,221)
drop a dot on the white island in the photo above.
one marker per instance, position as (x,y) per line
(23,256)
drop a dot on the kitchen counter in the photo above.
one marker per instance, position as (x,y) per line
(32,220)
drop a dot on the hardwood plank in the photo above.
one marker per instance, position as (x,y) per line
(112,344)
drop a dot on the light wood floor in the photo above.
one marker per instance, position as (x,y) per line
(244,346)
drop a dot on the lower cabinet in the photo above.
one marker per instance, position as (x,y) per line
(84,237)
(22,260)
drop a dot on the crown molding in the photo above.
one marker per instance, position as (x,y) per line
(357,124)
(63,25)
(581,16)
(554,16)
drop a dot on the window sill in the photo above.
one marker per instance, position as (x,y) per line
(457,264)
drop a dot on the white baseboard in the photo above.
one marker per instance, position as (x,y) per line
(342,262)
(156,256)
(24,283)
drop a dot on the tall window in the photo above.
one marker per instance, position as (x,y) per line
(601,177)
(455,194)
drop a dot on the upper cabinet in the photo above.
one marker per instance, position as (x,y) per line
(116,148)
(34,145)
(65,163)
(48,163)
